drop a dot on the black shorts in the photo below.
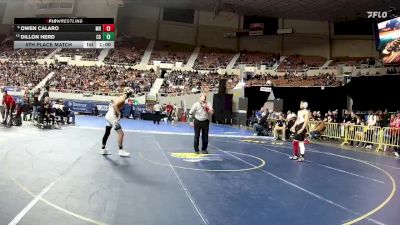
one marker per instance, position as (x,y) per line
(302,135)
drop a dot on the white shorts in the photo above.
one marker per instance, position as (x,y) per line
(112,120)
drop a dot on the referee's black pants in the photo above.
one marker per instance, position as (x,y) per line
(156,118)
(203,127)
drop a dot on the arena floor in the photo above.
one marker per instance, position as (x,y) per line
(52,177)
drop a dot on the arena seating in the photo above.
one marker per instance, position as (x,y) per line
(213,58)
(22,75)
(293,80)
(6,48)
(350,61)
(257,59)
(30,54)
(169,52)
(87,54)
(100,80)
(298,62)
(128,51)
(178,82)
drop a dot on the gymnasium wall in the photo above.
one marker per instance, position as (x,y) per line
(212,36)
(211,29)
(306,45)
(354,47)
(95,9)
(312,38)
(307,27)
(270,43)
(17,9)
(139,21)
(177,32)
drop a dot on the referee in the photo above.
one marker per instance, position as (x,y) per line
(198,117)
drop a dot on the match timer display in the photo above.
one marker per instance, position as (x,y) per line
(64,33)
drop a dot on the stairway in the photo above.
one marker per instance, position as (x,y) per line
(327,63)
(103,54)
(43,82)
(156,85)
(276,65)
(52,54)
(233,61)
(189,65)
(147,54)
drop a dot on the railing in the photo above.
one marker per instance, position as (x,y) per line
(378,136)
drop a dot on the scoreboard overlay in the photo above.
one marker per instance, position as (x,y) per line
(95,33)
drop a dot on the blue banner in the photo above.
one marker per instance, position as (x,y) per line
(87,107)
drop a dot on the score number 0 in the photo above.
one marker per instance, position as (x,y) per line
(108,27)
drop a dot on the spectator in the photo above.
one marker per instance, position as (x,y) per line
(36,103)
(260,127)
(371,122)
(318,130)
(9,107)
(280,127)
(396,126)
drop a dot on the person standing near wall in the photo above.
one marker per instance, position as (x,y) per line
(199,119)
(36,104)
(157,112)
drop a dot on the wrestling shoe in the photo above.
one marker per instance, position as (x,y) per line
(301,159)
(204,152)
(105,152)
(293,157)
(396,154)
(123,153)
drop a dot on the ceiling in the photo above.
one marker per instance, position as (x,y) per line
(295,9)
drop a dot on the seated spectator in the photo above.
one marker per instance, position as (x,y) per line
(127,51)
(350,61)
(87,54)
(22,75)
(26,110)
(280,127)
(17,118)
(260,127)
(292,79)
(46,112)
(104,80)
(299,62)
(213,58)
(257,59)
(169,52)
(188,82)
(318,130)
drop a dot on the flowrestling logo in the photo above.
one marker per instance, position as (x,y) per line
(377,14)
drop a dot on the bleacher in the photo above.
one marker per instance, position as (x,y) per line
(212,58)
(127,51)
(169,52)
